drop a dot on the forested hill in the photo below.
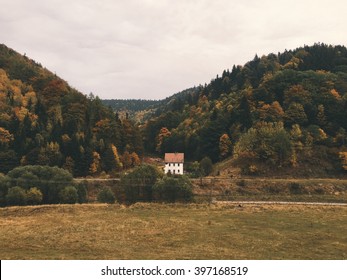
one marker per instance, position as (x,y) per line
(132,105)
(141,110)
(282,110)
(138,110)
(44,121)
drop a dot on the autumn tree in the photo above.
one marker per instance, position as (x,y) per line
(163,134)
(34,196)
(135,160)
(224,146)
(5,137)
(267,142)
(126,160)
(295,114)
(95,166)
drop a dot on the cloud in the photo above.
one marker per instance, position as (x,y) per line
(152,49)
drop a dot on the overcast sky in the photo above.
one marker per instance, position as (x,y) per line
(152,49)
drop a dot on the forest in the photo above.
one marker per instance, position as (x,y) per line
(278,111)
(44,121)
(285,110)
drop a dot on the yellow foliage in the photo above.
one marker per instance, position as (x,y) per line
(164,133)
(66,138)
(29,97)
(335,94)
(20,112)
(95,165)
(116,156)
(224,145)
(5,135)
(135,159)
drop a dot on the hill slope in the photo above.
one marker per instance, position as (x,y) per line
(282,110)
(45,121)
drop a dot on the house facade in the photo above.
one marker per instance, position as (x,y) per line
(174,163)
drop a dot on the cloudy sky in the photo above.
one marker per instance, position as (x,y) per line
(152,49)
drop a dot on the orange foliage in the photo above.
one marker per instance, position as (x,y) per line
(5,135)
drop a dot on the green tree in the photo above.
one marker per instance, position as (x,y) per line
(206,166)
(106,195)
(224,146)
(8,160)
(82,192)
(16,196)
(173,189)
(49,180)
(295,114)
(68,195)
(267,142)
(138,184)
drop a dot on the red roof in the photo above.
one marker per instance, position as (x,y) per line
(174,157)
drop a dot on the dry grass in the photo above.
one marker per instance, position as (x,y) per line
(154,231)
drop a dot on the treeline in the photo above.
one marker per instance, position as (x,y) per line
(43,121)
(146,183)
(279,109)
(130,105)
(34,185)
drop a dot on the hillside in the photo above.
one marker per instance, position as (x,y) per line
(284,111)
(138,110)
(44,121)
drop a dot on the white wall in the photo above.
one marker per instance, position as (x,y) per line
(174,168)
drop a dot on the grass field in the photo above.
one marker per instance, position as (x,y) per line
(155,231)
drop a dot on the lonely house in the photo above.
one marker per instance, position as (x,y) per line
(174,163)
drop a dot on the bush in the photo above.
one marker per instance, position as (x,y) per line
(34,196)
(106,195)
(82,192)
(16,196)
(68,195)
(49,180)
(241,183)
(172,189)
(295,188)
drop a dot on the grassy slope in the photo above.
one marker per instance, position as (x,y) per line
(152,231)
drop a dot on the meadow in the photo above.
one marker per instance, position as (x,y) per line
(176,231)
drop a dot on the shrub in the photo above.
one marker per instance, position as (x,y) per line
(68,195)
(16,196)
(106,195)
(172,189)
(241,183)
(295,188)
(206,166)
(34,196)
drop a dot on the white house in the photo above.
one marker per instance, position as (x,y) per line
(174,163)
